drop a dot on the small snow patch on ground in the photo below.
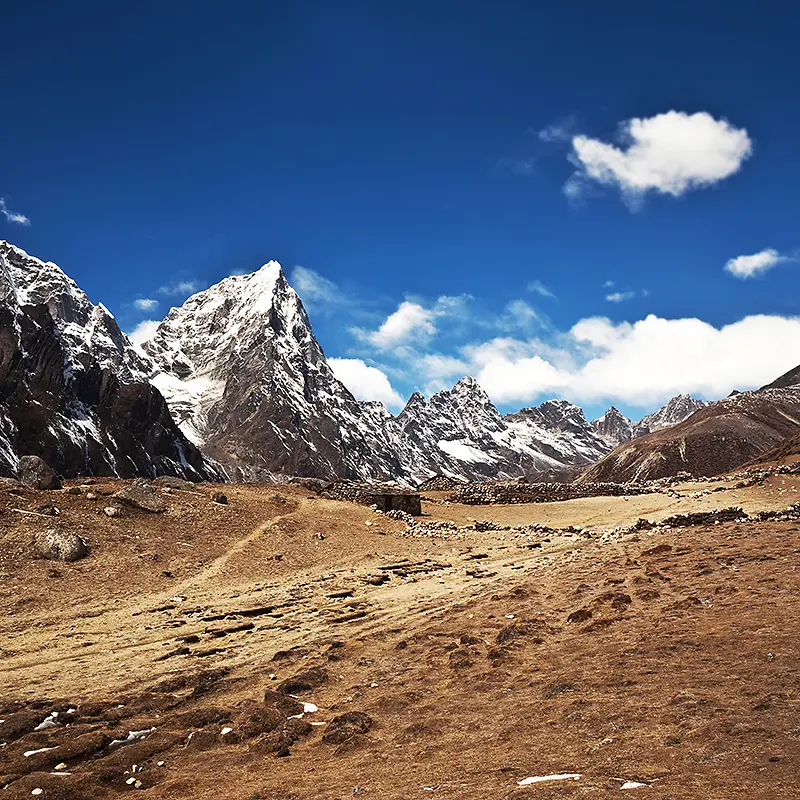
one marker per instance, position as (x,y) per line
(29,753)
(564,776)
(634,785)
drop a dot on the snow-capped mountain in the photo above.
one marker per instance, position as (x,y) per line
(673,412)
(614,427)
(246,382)
(73,389)
(246,379)
(459,432)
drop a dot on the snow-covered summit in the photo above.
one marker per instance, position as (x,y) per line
(671,413)
(245,377)
(89,331)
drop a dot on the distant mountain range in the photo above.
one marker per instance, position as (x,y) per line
(235,382)
(717,438)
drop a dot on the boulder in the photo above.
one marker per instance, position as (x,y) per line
(35,473)
(143,495)
(219,498)
(60,545)
(171,482)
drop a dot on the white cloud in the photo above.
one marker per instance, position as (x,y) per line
(12,216)
(640,363)
(539,288)
(180,288)
(608,284)
(620,297)
(757,264)
(365,382)
(412,323)
(669,153)
(144,331)
(315,289)
(145,304)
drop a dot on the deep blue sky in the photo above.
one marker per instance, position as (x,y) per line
(380,143)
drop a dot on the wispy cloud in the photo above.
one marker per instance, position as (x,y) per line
(620,297)
(185,287)
(518,315)
(12,216)
(317,291)
(540,288)
(560,130)
(145,304)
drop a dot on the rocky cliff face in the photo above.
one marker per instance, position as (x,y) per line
(73,389)
(614,427)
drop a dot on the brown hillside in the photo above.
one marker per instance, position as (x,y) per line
(718,438)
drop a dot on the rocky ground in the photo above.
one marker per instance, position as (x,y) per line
(282,646)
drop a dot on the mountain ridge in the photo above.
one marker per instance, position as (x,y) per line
(237,371)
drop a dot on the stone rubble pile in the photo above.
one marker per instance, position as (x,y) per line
(517,492)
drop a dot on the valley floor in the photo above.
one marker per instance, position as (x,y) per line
(475,659)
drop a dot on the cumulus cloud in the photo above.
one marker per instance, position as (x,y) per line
(366,382)
(669,153)
(756,264)
(620,297)
(180,288)
(640,363)
(144,331)
(539,288)
(411,323)
(145,303)
(12,216)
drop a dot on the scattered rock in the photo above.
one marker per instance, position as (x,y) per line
(112,511)
(143,495)
(346,726)
(219,498)
(60,545)
(35,473)
(304,681)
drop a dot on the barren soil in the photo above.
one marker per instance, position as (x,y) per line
(475,660)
